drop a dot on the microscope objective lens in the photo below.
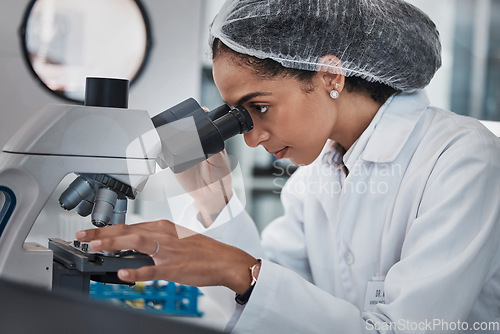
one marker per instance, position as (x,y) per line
(105,202)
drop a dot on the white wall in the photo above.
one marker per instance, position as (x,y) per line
(172,74)
(442,12)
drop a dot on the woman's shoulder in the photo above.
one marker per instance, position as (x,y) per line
(453,128)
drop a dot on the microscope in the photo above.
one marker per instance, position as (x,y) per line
(112,150)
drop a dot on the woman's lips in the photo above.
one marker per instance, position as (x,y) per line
(281,153)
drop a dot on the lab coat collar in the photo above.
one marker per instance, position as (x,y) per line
(391,127)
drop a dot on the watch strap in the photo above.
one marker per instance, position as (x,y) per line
(243,299)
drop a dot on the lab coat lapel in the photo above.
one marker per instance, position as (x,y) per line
(377,147)
(395,126)
(381,142)
(373,153)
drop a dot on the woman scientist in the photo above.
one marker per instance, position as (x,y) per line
(392,224)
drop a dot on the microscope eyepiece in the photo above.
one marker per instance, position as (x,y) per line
(235,121)
(244,118)
(218,112)
(213,128)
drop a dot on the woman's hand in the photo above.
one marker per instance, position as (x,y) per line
(210,184)
(196,260)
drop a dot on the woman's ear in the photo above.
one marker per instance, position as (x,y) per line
(331,73)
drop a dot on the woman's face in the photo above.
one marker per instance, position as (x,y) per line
(288,122)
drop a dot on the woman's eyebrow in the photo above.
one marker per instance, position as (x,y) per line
(250,96)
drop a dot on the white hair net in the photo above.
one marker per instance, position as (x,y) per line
(387,41)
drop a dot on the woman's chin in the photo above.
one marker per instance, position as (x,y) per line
(302,158)
(301,161)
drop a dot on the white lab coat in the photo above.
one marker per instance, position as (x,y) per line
(419,207)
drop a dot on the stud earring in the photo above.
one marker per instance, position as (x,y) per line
(334,94)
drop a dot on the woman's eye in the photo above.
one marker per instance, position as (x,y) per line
(261,109)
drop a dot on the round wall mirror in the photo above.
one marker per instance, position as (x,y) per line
(65,41)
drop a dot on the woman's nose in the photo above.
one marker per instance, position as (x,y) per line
(256,136)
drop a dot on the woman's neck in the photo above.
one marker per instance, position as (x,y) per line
(355,113)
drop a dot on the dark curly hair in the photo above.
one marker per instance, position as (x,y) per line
(268,68)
